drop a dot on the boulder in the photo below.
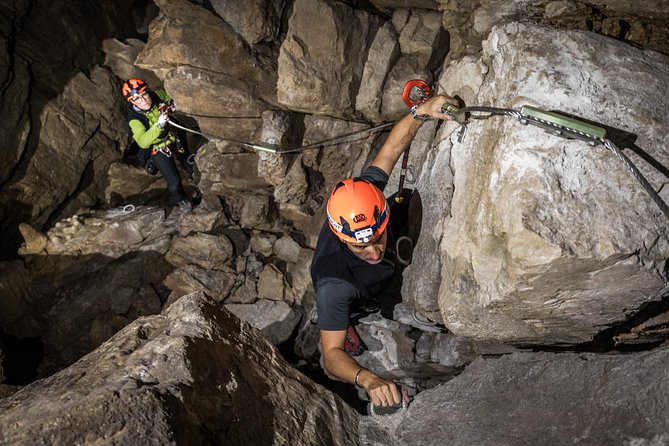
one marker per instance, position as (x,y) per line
(300,277)
(256,20)
(174,41)
(199,91)
(543,399)
(216,283)
(110,233)
(546,240)
(211,252)
(275,319)
(382,55)
(120,58)
(194,374)
(263,243)
(322,57)
(287,249)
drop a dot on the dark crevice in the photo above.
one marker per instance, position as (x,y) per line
(22,357)
(86,179)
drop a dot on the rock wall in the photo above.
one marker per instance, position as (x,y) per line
(60,133)
(543,399)
(551,241)
(521,237)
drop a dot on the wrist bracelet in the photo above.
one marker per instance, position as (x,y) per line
(355,380)
(416,116)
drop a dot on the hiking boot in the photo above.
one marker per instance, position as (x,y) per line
(185,205)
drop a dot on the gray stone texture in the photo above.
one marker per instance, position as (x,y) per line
(194,374)
(545,399)
(547,240)
(322,57)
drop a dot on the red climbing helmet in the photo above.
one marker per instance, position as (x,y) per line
(133,87)
(357,211)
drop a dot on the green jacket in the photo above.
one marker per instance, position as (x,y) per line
(143,125)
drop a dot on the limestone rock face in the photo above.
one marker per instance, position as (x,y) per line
(64,156)
(84,280)
(193,374)
(120,58)
(470,22)
(322,57)
(59,110)
(549,240)
(543,399)
(208,251)
(382,55)
(208,69)
(256,21)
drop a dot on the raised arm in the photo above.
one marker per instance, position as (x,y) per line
(405,131)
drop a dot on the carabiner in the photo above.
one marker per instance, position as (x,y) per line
(415,87)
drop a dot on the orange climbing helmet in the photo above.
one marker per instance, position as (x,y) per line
(133,87)
(357,211)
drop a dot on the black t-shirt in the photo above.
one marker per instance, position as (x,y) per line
(342,281)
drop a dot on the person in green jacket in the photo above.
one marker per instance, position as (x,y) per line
(148,118)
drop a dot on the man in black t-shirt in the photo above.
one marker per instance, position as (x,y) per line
(349,266)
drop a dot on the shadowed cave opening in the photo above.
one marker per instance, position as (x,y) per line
(22,357)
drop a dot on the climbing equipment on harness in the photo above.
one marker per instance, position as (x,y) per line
(398,253)
(415,92)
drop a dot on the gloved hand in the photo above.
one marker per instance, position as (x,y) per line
(162,120)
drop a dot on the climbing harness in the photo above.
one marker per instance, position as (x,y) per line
(165,150)
(556,124)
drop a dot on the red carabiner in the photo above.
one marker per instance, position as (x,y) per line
(415,87)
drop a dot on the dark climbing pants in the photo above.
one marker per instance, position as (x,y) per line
(168,169)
